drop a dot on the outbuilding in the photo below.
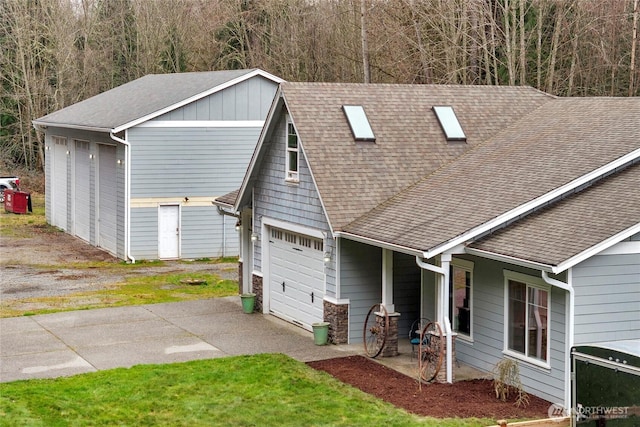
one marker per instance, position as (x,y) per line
(135,170)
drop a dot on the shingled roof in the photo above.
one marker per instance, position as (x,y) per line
(570,227)
(547,149)
(141,98)
(353,177)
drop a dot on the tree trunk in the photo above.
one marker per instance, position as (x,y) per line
(365,42)
(634,41)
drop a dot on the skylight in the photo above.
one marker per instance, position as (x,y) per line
(359,123)
(449,123)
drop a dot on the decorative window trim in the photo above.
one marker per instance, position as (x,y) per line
(466,266)
(291,175)
(529,282)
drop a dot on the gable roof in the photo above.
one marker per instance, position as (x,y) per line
(569,231)
(354,177)
(558,148)
(144,98)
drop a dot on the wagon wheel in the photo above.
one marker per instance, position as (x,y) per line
(375,332)
(431,356)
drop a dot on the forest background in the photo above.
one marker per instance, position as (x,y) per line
(54,53)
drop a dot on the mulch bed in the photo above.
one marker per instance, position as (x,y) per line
(463,399)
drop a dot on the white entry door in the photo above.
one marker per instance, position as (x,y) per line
(169,231)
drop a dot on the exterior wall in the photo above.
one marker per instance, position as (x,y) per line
(406,291)
(247,100)
(360,282)
(607,300)
(488,331)
(94,138)
(293,203)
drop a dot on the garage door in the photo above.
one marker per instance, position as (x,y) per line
(82,198)
(296,272)
(107,198)
(59,192)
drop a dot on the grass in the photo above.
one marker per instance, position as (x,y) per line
(134,291)
(260,390)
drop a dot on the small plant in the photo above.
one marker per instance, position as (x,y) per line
(506,379)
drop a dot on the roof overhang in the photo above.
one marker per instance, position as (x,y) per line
(43,125)
(379,243)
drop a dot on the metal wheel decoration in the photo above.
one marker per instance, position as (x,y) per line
(375,330)
(430,351)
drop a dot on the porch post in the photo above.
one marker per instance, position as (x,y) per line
(387,280)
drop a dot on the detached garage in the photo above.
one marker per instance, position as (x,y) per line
(135,170)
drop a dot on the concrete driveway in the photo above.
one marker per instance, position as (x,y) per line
(69,343)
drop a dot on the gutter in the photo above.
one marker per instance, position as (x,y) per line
(570,325)
(127,195)
(443,318)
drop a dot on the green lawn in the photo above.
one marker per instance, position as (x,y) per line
(261,390)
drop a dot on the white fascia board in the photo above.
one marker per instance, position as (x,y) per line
(70,126)
(198,96)
(378,243)
(596,249)
(532,204)
(510,260)
(202,124)
(253,163)
(295,228)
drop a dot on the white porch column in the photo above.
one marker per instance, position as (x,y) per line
(387,280)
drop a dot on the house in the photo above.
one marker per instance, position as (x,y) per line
(509,216)
(135,170)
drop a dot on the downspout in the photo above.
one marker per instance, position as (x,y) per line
(443,316)
(569,331)
(127,194)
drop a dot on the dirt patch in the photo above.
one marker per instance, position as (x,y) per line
(463,399)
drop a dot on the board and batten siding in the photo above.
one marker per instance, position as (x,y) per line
(247,100)
(607,298)
(295,203)
(486,349)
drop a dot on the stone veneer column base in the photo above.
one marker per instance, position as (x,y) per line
(391,344)
(240,277)
(256,288)
(435,345)
(338,317)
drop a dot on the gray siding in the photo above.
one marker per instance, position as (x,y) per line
(607,298)
(360,282)
(295,203)
(179,162)
(248,100)
(406,291)
(94,138)
(488,331)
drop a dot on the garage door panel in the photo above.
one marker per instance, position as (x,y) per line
(107,215)
(82,191)
(60,189)
(301,268)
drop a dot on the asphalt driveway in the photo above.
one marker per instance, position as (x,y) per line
(69,343)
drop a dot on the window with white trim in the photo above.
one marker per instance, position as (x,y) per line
(291,152)
(527,317)
(461,292)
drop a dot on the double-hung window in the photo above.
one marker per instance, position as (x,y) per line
(291,152)
(527,317)
(460,292)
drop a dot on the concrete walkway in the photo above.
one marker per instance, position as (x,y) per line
(69,343)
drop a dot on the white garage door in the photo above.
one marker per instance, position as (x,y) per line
(296,272)
(107,198)
(81,179)
(59,192)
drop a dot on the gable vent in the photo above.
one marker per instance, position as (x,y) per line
(359,123)
(449,123)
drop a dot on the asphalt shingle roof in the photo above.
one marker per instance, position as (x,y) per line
(137,99)
(554,144)
(573,225)
(355,177)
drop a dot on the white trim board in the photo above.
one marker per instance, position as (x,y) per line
(202,124)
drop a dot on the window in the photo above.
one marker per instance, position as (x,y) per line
(292,152)
(460,292)
(449,123)
(359,123)
(527,323)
